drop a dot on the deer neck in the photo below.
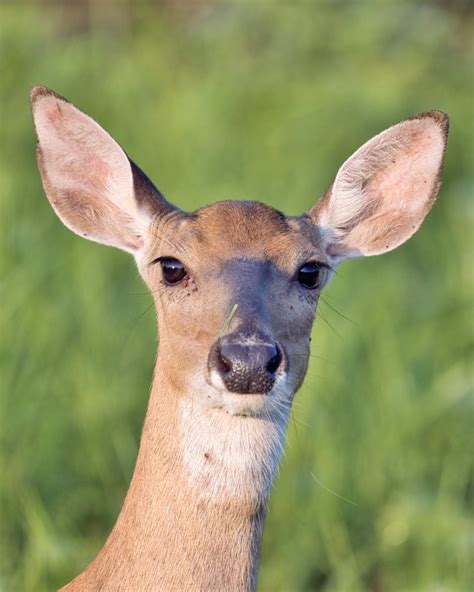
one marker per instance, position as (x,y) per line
(194,513)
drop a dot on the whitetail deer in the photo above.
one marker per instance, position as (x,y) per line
(236,285)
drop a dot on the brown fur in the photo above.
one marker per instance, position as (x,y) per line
(179,541)
(194,513)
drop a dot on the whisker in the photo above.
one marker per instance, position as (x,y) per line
(333,308)
(331,491)
(320,315)
(304,461)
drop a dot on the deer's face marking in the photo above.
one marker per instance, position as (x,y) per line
(241,314)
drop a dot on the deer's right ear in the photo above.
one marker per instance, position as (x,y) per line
(92,185)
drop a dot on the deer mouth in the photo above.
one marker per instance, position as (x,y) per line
(266,404)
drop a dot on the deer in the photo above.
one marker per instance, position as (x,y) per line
(236,285)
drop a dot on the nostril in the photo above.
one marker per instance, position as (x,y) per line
(275,361)
(225,364)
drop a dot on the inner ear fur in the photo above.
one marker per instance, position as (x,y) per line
(383,192)
(90,182)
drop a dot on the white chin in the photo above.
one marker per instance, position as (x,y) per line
(248,404)
(244,405)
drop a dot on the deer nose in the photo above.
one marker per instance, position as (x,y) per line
(246,368)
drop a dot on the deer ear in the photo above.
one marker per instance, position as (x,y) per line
(92,185)
(383,192)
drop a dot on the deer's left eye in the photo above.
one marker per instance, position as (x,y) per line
(309,275)
(173,270)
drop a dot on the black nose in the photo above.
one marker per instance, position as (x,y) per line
(246,368)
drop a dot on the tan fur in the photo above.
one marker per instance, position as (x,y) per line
(169,536)
(194,512)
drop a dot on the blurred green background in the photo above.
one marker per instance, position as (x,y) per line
(257,100)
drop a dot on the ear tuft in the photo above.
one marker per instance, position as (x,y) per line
(440,117)
(37,92)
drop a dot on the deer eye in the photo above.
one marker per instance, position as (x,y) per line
(309,274)
(173,270)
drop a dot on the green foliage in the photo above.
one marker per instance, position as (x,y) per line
(260,101)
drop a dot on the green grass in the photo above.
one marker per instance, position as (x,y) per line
(259,101)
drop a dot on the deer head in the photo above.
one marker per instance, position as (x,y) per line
(236,283)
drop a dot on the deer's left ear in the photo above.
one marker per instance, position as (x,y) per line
(383,192)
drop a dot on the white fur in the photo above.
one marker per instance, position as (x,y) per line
(232,443)
(404,160)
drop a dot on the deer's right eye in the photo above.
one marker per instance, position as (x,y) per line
(173,270)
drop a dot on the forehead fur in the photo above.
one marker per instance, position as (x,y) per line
(235,226)
(251,218)
(230,229)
